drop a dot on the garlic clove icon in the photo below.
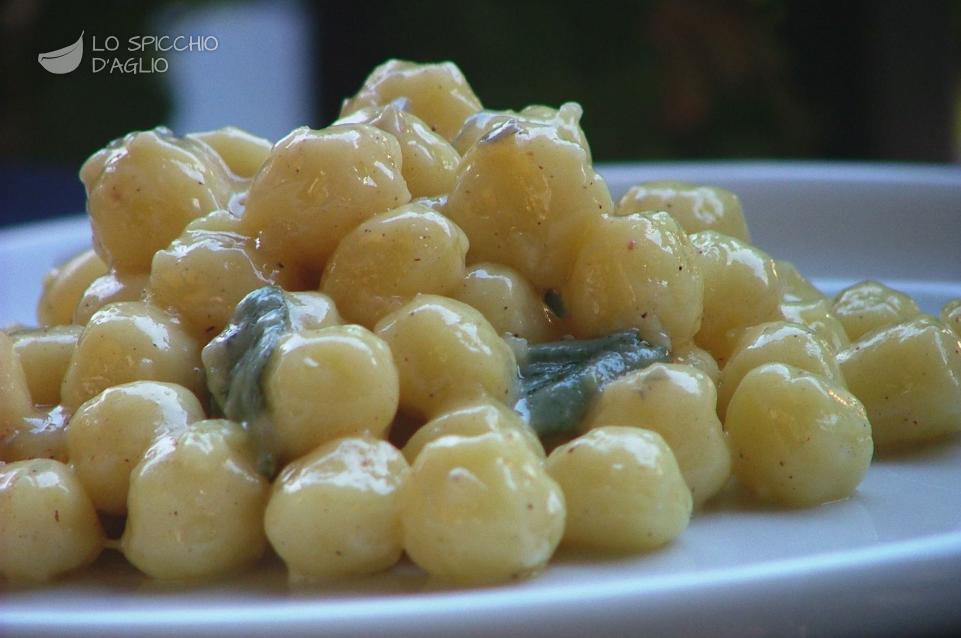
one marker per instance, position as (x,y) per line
(63,60)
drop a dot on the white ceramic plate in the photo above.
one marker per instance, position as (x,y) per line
(886,561)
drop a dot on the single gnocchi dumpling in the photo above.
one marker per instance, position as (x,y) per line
(817,315)
(131,341)
(623,489)
(797,438)
(324,384)
(317,186)
(870,305)
(507,300)
(637,271)
(429,161)
(777,342)
(64,286)
(741,289)
(480,509)
(142,191)
(526,197)
(109,434)
(45,355)
(383,263)
(951,315)
(203,274)
(47,524)
(437,93)
(110,288)
(695,207)
(566,118)
(446,352)
(335,512)
(242,152)
(678,402)
(475,418)
(909,378)
(196,504)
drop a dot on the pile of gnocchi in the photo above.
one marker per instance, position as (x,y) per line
(428,330)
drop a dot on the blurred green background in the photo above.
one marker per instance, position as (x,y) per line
(659,80)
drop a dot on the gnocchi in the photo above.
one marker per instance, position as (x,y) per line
(951,315)
(446,352)
(480,509)
(45,355)
(205,272)
(335,512)
(741,289)
(695,207)
(507,300)
(426,329)
(345,371)
(567,120)
(17,402)
(242,152)
(143,190)
(870,305)
(131,341)
(690,354)
(429,162)
(64,287)
(387,260)
(47,524)
(650,504)
(797,438)
(474,419)
(438,93)
(316,186)
(638,270)
(526,196)
(794,286)
(678,403)
(781,342)
(40,434)
(109,434)
(110,288)
(817,314)
(908,376)
(195,507)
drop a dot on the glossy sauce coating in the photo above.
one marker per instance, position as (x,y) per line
(369,286)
